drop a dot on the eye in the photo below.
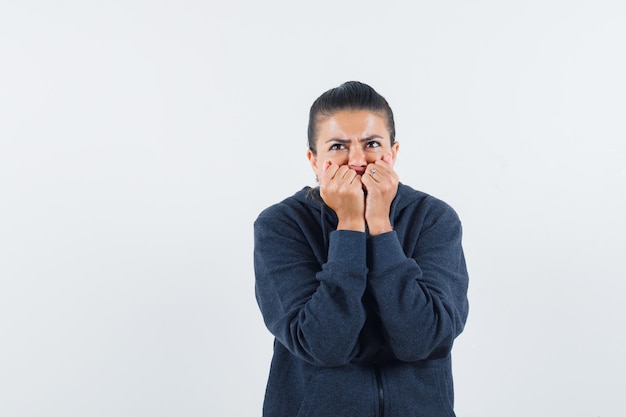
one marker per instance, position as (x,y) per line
(372,144)
(337,147)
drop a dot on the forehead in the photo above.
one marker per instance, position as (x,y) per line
(348,124)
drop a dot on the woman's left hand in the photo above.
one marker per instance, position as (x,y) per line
(381,183)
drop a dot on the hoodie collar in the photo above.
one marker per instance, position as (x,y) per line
(311,197)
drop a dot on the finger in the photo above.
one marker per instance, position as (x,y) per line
(368,179)
(383,165)
(386,171)
(375,171)
(330,170)
(352,176)
(347,174)
(342,171)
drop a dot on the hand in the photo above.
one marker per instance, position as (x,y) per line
(342,190)
(381,187)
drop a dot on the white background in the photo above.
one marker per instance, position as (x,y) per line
(139,140)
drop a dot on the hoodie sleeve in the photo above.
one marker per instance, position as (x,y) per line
(421,298)
(313,309)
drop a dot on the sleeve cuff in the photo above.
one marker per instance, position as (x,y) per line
(347,246)
(384,251)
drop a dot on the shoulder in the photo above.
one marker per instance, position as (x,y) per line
(291,208)
(412,199)
(425,211)
(426,219)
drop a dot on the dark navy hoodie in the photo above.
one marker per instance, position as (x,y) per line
(363,325)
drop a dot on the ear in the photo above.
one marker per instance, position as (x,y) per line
(393,154)
(312,159)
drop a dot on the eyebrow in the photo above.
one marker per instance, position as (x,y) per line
(367,139)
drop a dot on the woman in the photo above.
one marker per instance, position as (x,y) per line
(361,280)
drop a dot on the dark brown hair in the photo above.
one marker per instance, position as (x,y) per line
(351,95)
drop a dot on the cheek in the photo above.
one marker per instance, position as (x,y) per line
(375,154)
(338,159)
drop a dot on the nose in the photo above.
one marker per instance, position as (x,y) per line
(356,157)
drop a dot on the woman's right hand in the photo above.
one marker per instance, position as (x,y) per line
(342,190)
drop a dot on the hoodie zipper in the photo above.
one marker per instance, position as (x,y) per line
(381,393)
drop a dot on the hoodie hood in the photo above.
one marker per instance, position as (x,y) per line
(404,197)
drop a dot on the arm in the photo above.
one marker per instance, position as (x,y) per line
(421,299)
(313,309)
